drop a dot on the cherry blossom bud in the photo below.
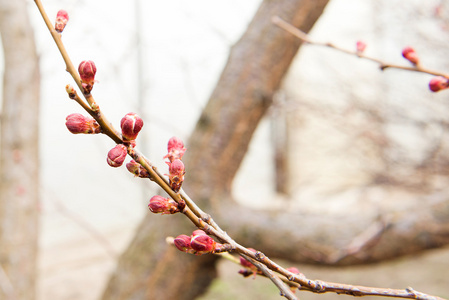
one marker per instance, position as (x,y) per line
(410,54)
(182,242)
(159,204)
(117,155)
(202,244)
(70,90)
(77,123)
(360,46)
(137,169)
(62,17)
(87,70)
(438,83)
(175,149)
(131,124)
(176,174)
(198,232)
(293,270)
(246,263)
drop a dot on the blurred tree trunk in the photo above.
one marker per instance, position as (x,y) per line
(149,269)
(19,154)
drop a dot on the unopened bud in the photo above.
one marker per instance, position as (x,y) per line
(360,47)
(198,232)
(410,54)
(293,270)
(70,90)
(202,244)
(87,71)
(176,174)
(246,263)
(165,206)
(131,124)
(137,169)
(438,83)
(62,17)
(182,242)
(175,149)
(117,155)
(77,123)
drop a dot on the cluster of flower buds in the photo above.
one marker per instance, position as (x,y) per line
(176,167)
(410,54)
(87,71)
(165,206)
(131,124)
(135,168)
(438,83)
(117,155)
(62,17)
(360,47)
(77,123)
(198,243)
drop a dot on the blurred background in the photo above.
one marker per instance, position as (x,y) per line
(345,124)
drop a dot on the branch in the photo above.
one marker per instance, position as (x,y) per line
(204,221)
(382,65)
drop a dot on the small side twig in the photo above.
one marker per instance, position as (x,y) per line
(382,65)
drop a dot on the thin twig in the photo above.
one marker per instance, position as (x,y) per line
(382,65)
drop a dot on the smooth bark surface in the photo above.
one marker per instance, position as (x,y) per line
(149,269)
(19,154)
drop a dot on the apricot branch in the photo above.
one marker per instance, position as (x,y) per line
(200,241)
(440,82)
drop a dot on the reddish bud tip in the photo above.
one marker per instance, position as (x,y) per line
(360,47)
(87,71)
(182,242)
(175,149)
(246,263)
(137,169)
(62,17)
(202,244)
(438,83)
(117,155)
(410,54)
(77,123)
(293,270)
(198,232)
(131,124)
(159,204)
(176,174)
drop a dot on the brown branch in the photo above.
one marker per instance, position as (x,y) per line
(203,220)
(382,65)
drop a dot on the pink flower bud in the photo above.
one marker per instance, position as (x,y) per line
(246,263)
(137,169)
(202,244)
(77,123)
(175,149)
(131,124)
(182,242)
(410,54)
(159,204)
(87,70)
(62,17)
(438,83)
(293,270)
(117,155)
(360,46)
(176,174)
(198,232)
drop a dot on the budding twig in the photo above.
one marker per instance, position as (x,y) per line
(201,243)
(382,65)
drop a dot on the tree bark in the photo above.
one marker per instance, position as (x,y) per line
(19,154)
(257,63)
